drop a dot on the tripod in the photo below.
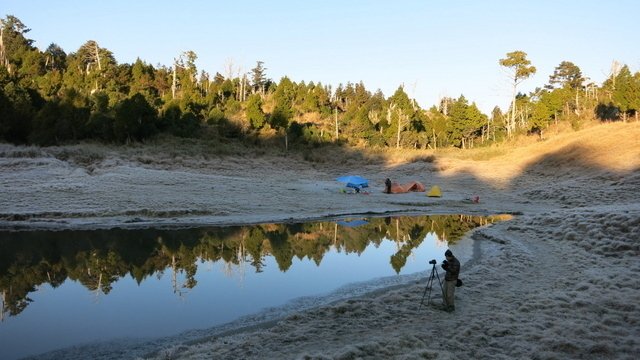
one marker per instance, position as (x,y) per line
(429,286)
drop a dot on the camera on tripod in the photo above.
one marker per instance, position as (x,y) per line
(430,281)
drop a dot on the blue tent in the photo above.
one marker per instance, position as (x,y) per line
(352,223)
(354,181)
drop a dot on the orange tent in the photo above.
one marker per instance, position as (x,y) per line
(395,188)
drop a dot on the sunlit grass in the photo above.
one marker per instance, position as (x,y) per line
(476,154)
(507,159)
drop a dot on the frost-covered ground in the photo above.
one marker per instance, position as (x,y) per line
(560,280)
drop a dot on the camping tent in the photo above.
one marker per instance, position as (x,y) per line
(352,223)
(396,188)
(435,191)
(354,181)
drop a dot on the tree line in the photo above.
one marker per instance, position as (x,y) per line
(98,259)
(52,97)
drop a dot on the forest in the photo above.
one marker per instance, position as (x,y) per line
(52,97)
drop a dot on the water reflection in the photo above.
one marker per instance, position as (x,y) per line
(98,259)
(66,288)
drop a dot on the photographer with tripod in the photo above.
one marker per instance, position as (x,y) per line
(452,266)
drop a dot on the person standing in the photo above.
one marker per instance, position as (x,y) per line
(452,267)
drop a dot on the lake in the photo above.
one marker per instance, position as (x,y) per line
(66,288)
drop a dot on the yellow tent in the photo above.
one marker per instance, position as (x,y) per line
(435,191)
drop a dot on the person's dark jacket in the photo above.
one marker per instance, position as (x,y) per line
(452,268)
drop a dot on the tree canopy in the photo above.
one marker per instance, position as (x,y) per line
(53,96)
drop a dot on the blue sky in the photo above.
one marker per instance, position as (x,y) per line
(435,48)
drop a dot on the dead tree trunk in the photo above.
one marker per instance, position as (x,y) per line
(335,111)
(512,118)
(400,116)
(97,51)
(173,82)
(4,60)
(435,140)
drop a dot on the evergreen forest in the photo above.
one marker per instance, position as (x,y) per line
(51,97)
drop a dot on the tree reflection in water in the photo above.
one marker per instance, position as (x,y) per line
(97,259)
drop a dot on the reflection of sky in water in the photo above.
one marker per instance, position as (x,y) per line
(71,314)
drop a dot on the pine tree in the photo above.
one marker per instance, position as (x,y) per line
(626,92)
(520,69)
(13,43)
(258,78)
(567,74)
(254,112)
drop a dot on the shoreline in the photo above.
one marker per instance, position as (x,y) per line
(102,223)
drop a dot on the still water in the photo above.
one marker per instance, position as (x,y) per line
(65,288)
